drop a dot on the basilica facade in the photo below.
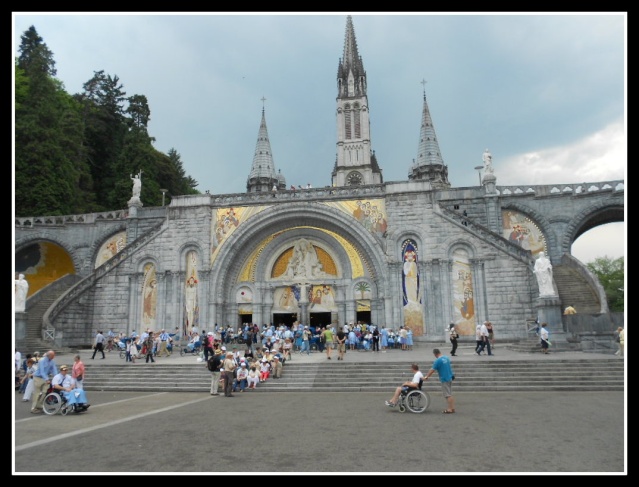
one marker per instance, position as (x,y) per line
(416,253)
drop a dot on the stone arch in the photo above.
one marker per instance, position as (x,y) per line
(45,236)
(188,285)
(45,260)
(273,221)
(102,237)
(542,222)
(462,289)
(600,213)
(317,237)
(96,248)
(398,240)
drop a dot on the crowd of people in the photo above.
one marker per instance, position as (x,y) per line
(152,344)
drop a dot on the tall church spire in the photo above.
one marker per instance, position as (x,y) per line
(263,176)
(355,163)
(429,165)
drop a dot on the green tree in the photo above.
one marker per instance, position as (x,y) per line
(48,137)
(105,127)
(35,56)
(21,86)
(75,153)
(610,273)
(186,185)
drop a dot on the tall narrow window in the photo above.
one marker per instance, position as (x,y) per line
(347,122)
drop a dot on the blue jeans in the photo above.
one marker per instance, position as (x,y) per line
(306,347)
(241,383)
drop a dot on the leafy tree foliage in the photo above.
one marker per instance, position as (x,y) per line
(48,166)
(75,153)
(611,276)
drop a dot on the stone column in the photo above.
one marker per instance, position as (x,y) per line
(20,325)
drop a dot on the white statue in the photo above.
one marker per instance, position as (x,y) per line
(543,272)
(488,162)
(137,184)
(21,290)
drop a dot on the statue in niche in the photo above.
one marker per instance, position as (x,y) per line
(21,291)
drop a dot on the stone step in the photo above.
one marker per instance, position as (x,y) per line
(551,375)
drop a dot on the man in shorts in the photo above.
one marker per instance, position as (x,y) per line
(446,376)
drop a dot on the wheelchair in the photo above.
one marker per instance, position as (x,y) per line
(197,348)
(55,402)
(413,400)
(121,347)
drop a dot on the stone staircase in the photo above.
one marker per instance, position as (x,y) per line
(35,311)
(551,375)
(532,345)
(574,289)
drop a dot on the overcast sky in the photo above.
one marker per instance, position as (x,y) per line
(545,93)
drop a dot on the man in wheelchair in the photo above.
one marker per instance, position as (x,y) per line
(64,384)
(414,383)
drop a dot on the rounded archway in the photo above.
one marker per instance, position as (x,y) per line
(43,263)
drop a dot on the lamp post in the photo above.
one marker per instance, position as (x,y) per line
(163,193)
(478,169)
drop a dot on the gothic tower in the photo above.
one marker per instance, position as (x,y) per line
(356,163)
(263,176)
(429,165)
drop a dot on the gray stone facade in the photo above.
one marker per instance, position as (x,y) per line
(504,287)
(413,253)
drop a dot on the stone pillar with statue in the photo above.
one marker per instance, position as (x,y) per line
(21,290)
(489,180)
(549,304)
(135,202)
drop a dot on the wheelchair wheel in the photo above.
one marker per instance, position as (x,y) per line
(52,403)
(122,353)
(401,406)
(417,401)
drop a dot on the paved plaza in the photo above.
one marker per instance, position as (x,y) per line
(329,433)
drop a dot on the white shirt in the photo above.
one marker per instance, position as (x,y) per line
(484,331)
(417,377)
(63,380)
(242,373)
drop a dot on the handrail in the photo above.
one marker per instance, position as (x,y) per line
(88,282)
(488,235)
